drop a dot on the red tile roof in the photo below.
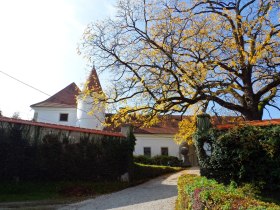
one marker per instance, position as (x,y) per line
(60,127)
(169,125)
(166,126)
(253,123)
(65,98)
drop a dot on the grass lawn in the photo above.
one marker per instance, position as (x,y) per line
(60,192)
(28,191)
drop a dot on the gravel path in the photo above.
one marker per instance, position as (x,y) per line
(159,193)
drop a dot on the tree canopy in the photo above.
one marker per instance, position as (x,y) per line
(167,56)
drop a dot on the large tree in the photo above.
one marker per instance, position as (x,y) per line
(168,55)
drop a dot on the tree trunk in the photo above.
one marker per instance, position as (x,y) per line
(250,102)
(253,114)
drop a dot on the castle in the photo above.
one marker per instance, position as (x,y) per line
(69,106)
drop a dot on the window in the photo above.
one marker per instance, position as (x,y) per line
(63,117)
(164,151)
(147,151)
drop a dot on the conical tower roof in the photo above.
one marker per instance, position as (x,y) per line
(93,82)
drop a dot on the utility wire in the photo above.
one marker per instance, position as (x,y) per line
(24,83)
(57,98)
(30,86)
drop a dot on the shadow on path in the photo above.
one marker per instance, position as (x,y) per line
(159,193)
(157,189)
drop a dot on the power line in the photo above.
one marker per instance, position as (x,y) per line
(30,86)
(24,83)
(56,98)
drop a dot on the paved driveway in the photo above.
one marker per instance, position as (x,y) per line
(159,193)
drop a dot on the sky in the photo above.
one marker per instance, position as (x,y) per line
(38,45)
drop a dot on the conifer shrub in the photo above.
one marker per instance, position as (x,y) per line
(14,154)
(52,159)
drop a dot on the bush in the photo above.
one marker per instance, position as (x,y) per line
(245,155)
(14,154)
(143,159)
(201,193)
(162,160)
(166,160)
(53,159)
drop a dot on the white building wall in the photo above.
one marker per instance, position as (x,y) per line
(51,115)
(155,142)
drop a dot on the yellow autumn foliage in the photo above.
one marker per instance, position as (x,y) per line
(168,55)
(187,128)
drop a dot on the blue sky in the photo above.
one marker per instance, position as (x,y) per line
(38,42)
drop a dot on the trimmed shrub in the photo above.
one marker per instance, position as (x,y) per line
(143,159)
(162,160)
(201,193)
(245,154)
(166,160)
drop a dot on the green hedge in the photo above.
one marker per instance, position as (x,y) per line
(99,158)
(162,160)
(247,154)
(201,193)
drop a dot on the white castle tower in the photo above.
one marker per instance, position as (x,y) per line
(84,105)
